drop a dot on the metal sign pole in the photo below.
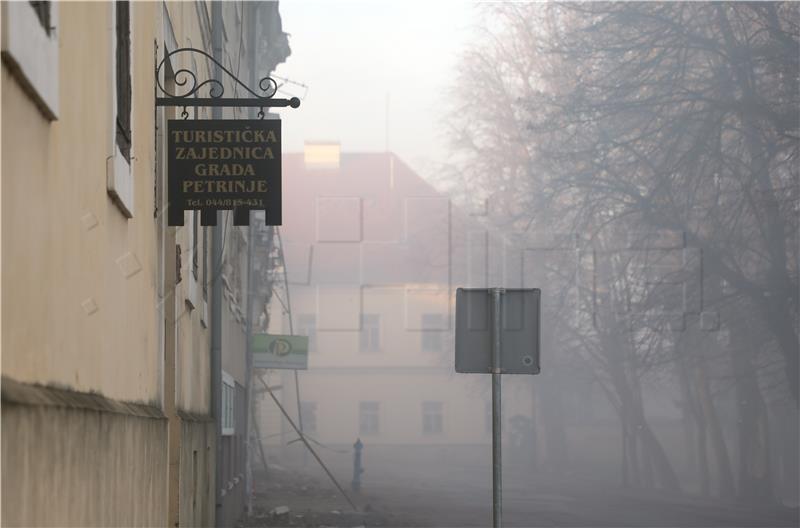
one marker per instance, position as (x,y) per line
(497,458)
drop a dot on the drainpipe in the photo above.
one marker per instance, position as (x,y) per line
(252,13)
(216,292)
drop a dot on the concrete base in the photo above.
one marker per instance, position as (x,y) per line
(196,471)
(66,466)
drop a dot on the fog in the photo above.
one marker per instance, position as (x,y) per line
(637,163)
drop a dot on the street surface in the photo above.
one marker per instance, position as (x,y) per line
(462,499)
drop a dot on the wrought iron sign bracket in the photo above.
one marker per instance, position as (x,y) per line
(187,82)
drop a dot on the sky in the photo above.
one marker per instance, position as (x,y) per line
(354,55)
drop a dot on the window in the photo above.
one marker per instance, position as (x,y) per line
(432,336)
(195,479)
(370,337)
(119,178)
(228,404)
(30,50)
(193,290)
(308,411)
(123,56)
(307,326)
(368,419)
(432,418)
(204,277)
(205,265)
(195,244)
(43,10)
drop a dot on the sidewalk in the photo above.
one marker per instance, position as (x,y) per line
(312,502)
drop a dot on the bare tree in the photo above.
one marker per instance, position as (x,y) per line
(671,116)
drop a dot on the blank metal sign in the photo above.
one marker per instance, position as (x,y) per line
(519,337)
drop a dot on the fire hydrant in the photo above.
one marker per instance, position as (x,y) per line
(357,469)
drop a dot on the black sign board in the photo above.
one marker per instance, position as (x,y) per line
(224,164)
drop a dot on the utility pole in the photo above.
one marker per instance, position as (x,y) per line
(252,13)
(216,289)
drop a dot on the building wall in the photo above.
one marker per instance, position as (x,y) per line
(400,394)
(84,439)
(189,24)
(86,292)
(69,462)
(79,278)
(106,316)
(197,463)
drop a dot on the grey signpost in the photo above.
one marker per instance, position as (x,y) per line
(497,332)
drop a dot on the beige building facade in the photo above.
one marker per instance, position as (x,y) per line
(108,405)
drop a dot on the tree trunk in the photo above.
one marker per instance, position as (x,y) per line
(626,482)
(555,436)
(666,474)
(641,432)
(702,443)
(694,430)
(780,298)
(755,479)
(725,485)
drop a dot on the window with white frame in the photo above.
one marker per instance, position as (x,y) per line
(123,73)
(368,418)
(228,404)
(370,336)
(30,50)
(119,179)
(432,417)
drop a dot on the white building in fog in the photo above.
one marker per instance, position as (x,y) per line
(374,255)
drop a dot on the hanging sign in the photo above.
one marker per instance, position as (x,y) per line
(280,351)
(220,164)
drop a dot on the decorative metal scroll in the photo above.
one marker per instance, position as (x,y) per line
(210,92)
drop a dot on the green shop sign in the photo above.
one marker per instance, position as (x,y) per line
(280,352)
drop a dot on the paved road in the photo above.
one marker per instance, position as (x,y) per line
(467,502)
(461,497)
